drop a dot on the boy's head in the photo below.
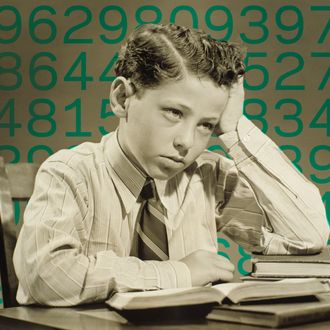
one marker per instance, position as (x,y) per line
(171,88)
(157,53)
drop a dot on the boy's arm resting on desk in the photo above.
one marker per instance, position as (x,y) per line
(50,259)
(291,217)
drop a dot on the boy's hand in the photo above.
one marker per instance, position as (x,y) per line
(206,267)
(233,110)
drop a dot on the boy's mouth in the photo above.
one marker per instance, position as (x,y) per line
(175,159)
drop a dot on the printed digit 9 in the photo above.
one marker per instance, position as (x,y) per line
(227,26)
(9,33)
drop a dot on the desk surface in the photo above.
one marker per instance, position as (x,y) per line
(100,317)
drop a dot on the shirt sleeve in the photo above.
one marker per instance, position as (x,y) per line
(50,258)
(272,208)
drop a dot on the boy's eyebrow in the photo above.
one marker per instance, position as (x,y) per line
(177,104)
(211,118)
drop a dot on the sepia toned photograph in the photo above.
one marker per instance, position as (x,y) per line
(164,164)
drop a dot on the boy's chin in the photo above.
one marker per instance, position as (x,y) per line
(163,174)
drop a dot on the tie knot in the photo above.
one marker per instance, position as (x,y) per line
(149,189)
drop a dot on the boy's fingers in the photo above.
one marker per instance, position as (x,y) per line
(225,276)
(227,267)
(233,109)
(237,89)
(224,263)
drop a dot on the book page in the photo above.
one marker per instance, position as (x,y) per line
(226,288)
(154,293)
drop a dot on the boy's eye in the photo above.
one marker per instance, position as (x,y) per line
(208,126)
(174,113)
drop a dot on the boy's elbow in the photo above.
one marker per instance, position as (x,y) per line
(37,283)
(34,290)
(317,240)
(31,289)
(317,246)
(315,232)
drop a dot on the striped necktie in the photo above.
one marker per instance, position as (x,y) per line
(150,228)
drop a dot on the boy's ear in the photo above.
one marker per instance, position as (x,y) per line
(120,92)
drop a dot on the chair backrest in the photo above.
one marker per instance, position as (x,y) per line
(16,187)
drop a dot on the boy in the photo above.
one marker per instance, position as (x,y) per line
(141,209)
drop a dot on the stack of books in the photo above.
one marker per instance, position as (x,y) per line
(269,268)
(281,291)
(293,266)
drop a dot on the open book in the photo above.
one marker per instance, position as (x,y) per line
(218,294)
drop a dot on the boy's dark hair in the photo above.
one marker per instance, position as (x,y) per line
(155,53)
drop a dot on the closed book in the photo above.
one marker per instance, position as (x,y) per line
(274,315)
(218,294)
(317,265)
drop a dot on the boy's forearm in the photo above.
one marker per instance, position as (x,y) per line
(292,205)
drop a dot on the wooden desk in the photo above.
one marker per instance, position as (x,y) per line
(98,317)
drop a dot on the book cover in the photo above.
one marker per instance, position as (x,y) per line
(275,315)
(322,257)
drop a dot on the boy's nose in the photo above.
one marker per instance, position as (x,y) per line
(185,139)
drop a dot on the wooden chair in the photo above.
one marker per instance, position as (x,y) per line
(16,186)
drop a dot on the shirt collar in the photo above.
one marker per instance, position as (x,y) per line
(128,179)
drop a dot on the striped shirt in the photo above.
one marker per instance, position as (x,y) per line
(74,246)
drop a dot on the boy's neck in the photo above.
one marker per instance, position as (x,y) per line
(132,160)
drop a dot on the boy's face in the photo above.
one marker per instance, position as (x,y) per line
(168,127)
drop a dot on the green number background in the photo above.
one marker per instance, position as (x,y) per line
(56,67)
